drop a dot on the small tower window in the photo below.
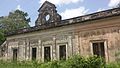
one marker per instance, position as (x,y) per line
(47,17)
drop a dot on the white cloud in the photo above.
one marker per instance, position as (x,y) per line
(18,7)
(70,13)
(59,2)
(100,9)
(113,3)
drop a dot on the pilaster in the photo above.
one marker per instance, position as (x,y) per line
(70,46)
(77,47)
(39,50)
(27,49)
(54,57)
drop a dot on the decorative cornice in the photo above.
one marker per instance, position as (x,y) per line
(81,19)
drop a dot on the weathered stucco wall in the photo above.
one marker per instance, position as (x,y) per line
(106,30)
(50,37)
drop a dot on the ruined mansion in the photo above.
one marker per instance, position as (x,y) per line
(54,39)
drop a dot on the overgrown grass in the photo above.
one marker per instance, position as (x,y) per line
(73,62)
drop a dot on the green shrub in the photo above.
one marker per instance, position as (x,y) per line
(81,62)
(113,65)
(72,62)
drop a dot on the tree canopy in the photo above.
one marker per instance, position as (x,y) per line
(2,38)
(14,21)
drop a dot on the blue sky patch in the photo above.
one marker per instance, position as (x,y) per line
(66,8)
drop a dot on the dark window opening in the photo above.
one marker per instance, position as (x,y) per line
(15,54)
(98,49)
(62,52)
(47,54)
(34,50)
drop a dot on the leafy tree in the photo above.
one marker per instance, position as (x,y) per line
(14,21)
(2,38)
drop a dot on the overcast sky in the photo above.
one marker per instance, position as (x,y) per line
(66,8)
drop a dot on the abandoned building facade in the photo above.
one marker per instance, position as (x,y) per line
(54,39)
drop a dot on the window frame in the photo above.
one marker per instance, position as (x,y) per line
(61,44)
(50,52)
(105,48)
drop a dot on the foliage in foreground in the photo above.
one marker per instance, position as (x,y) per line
(2,38)
(73,62)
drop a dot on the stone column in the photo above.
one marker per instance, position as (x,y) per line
(30,52)
(70,46)
(80,46)
(76,44)
(6,51)
(54,57)
(39,50)
(27,49)
(9,52)
(20,52)
(23,51)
